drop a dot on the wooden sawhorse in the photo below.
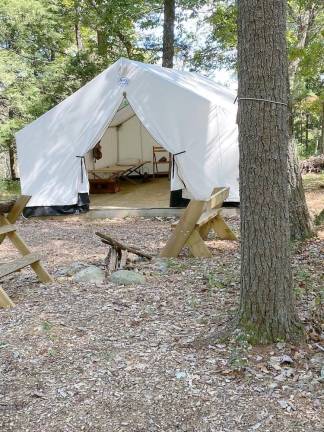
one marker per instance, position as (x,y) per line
(194,225)
(8,229)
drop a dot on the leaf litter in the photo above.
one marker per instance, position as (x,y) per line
(104,357)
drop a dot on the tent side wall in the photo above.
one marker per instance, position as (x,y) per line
(108,149)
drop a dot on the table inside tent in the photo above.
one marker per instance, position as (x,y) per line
(115,172)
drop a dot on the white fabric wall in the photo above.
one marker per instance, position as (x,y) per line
(129,140)
(108,149)
(135,142)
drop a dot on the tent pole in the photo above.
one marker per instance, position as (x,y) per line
(141,138)
(117,133)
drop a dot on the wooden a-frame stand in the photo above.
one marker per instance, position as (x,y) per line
(194,225)
(8,229)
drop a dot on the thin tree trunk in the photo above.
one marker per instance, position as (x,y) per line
(78,37)
(168,33)
(307,129)
(321,143)
(299,218)
(127,44)
(77,26)
(300,221)
(11,152)
(12,163)
(102,43)
(304,23)
(267,310)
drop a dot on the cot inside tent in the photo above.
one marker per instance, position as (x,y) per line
(130,108)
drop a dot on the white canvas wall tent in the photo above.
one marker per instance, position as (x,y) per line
(190,116)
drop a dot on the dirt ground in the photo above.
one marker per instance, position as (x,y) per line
(106,358)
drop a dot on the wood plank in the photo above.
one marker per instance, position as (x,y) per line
(22,247)
(222,230)
(17,264)
(7,228)
(5,300)
(197,246)
(204,230)
(207,216)
(183,229)
(217,199)
(18,208)
(16,211)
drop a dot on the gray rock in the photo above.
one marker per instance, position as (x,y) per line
(72,269)
(161,265)
(318,361)
(127,277)
(286,359)
(91,274)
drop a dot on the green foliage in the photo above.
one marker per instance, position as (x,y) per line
(319,219)
(50,48)
(305,24)
(9,188)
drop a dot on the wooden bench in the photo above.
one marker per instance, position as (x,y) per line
(194,225)
(9,230)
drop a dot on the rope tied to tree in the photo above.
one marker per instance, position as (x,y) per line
(260,100)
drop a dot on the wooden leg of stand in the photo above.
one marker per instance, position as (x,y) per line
(5,301)
(197,246)
(222,230)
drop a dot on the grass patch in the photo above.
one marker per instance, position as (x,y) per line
(313,181)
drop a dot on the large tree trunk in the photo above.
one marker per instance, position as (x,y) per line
(267,309)
(168,33)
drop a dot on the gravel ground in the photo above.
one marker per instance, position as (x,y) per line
(84,357)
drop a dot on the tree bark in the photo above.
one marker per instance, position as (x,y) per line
(168,33)
(267,311)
